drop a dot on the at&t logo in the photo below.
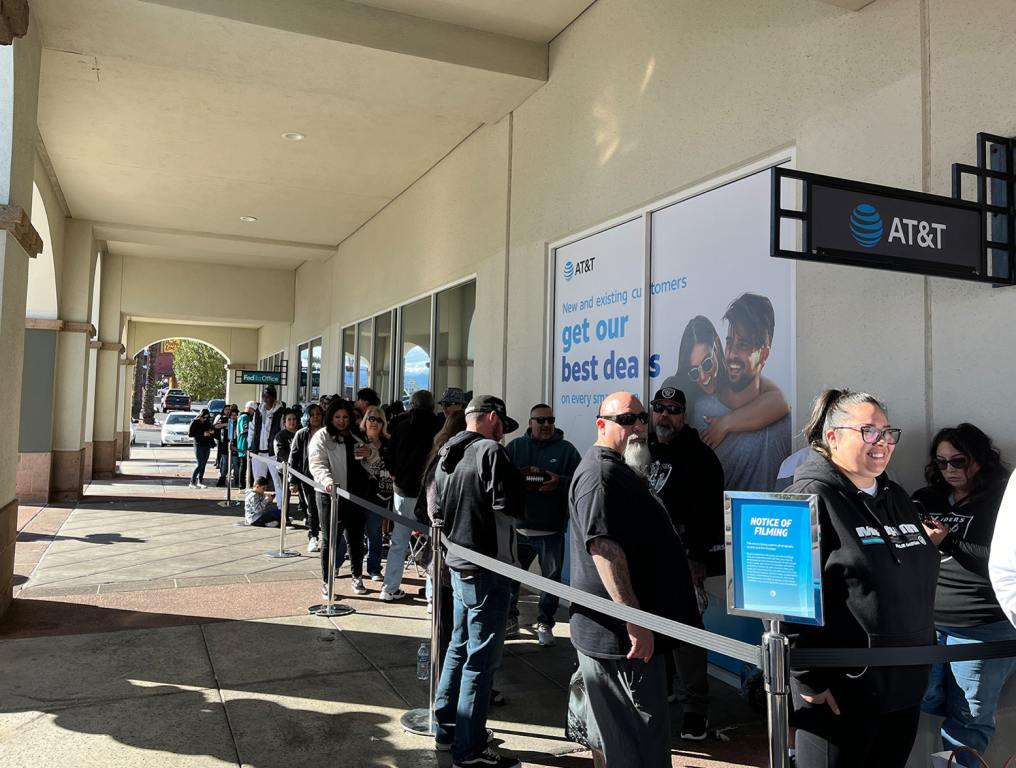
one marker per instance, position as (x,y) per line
(580,267)
(866,225)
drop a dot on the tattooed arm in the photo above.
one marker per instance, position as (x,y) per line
(612,567)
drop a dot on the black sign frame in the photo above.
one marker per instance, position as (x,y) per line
(872,261)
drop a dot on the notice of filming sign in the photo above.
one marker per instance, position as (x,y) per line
(773,556)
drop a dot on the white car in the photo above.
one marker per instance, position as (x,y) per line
(176,428)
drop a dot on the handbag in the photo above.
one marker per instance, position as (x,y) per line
(575,726)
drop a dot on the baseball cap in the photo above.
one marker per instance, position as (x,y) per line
(453,396)
(250,404)
(670,391)
(490,403)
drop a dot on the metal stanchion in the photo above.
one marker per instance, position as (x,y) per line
(229,502)
(421,721)
(284,522)
(331,608)
(775,670)
(250,468)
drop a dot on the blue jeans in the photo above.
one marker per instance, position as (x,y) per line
(550,550)
(966,693)
(405,506)
(480,609)
(372,527)
(201,457)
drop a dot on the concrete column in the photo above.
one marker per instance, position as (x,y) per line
(35,439)
(73,363)
(19,94)
(105,422)
(130,368)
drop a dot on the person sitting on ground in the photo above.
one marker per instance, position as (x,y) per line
(258,508)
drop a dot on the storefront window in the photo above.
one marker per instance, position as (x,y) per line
(315,371)
(415,348)
(348,361)
(454,344)
(383,356)
(363,369)
(303,352)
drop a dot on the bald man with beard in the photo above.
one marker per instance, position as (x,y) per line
(624,548)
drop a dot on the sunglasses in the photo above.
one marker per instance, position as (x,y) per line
(703,369)
(872,435)
(957,462)
(627,419)
(541,420)
(375,419)
(673,410)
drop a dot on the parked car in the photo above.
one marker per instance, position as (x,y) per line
(176,428)
(175,400)
(216,406)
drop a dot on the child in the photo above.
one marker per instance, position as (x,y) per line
(258,509)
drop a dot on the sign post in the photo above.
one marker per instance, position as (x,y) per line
(774,572)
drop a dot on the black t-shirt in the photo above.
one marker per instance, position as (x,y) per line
(965,597)
(608,499)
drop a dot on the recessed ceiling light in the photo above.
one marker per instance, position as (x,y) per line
(294,136)
(248,219)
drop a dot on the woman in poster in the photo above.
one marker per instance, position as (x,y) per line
(701,365)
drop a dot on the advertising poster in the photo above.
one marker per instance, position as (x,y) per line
(721,322)
(598,284)
(773,557)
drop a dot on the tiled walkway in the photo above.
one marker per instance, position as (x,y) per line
(150,630)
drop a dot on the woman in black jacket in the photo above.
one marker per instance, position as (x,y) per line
(966,481)
(299,459)
(203,433)
(879,566)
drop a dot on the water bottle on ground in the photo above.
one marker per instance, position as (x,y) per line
(423,660)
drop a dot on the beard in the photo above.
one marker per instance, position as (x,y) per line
(665,433)
(636,456)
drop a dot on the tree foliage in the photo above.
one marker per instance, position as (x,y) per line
(148,402)
(200,370)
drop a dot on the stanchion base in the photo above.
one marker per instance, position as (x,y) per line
(418,722)
(233,503)
(335,609)
(282,553)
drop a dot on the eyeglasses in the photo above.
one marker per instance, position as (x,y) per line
(375,419)
(627,419)
(872,435)
(958,462)
(673,410)
(706,367)
(541,420)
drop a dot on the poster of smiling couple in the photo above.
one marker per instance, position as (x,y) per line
(721,323)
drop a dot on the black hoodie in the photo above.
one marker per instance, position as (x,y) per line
(479,495)
(879,572)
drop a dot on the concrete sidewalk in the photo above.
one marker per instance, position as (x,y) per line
(150,630)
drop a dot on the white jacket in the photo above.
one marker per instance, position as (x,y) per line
(327,459)
(1002,562)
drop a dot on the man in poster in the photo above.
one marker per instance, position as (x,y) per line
(750,459)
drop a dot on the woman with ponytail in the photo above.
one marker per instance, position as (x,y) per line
(879,569)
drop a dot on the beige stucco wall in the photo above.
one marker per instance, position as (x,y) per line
(188,290)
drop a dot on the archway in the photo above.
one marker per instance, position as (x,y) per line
(175,374)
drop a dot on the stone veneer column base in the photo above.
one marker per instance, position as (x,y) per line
(86,464)
(33,476)
(103,459)
(124,441)
(65,478)
(8,535)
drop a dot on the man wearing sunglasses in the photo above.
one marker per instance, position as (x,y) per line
(624,548)
(547,462)
(688,478)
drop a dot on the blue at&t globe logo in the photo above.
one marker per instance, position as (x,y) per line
(569,270)
(866,225)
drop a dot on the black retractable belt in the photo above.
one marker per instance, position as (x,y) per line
(903,656)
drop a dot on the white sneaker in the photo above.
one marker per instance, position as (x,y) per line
(544,634)
(358,587)
(191,485)
(388,597)
(201,485)
(313,545)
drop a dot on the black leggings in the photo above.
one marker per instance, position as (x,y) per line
(308,500)
(859,737)
(350,522)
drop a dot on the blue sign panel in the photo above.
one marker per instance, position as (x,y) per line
(773,556)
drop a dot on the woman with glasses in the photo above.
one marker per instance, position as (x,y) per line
(701,371)
(966,480)
(374,426)
(879,567)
